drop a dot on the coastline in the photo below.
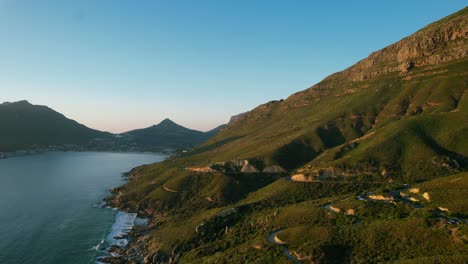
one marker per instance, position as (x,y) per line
(62,198)
(134,250)
(22,153)
(112,249)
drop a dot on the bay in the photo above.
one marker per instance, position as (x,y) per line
(46,212)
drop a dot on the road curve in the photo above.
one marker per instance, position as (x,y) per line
(271,239)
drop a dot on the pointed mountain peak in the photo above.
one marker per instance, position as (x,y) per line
(167,121)
(168,124)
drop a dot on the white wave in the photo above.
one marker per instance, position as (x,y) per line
(98,246)
(99,205)
(124,222)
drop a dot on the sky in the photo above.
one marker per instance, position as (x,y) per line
(118,65)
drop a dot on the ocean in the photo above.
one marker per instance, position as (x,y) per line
(50,205)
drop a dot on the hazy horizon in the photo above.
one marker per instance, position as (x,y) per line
(155,123)
(123,66)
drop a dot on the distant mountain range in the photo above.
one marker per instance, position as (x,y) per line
(25,126)
(168,134)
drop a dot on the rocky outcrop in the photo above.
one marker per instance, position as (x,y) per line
(205,169)
(438,43)
(328,173)
(235,118)
(444,209)
(258,247)
(237,166)
(435,44)
(379,197)
(302,178)
(426,196)
(335,209)
(350,212)
(306,258)
(248,168)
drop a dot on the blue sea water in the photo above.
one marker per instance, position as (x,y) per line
(46,212)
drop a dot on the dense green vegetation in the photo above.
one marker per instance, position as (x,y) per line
(372,128)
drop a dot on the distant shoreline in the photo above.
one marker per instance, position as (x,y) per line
(21,153)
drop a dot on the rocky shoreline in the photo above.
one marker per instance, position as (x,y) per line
(136,251)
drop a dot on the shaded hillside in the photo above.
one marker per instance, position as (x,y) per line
(23,125)
(168,134)
(398,116)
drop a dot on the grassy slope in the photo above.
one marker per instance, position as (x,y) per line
(410,124)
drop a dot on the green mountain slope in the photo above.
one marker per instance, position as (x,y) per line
(23,125)
(397,117)
(422,77)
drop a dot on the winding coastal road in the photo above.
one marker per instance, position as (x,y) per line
(272,239)
(169,189)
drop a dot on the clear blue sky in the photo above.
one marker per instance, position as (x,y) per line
(117,65)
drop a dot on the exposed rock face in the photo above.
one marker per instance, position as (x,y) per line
(440,42)
(248,168)
(335,209)
(378,197)
(205,169)
(350,212)
(303,257)
(301,178)
(327,173)
(432,45)
(234,118)
(236,166)
(444,209)
(426,196)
